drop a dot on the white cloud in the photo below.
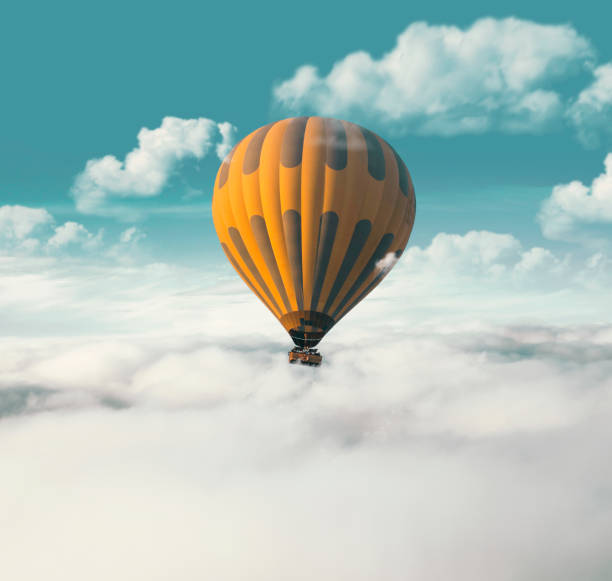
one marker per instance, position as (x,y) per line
(73,233)
(591,113)
(166,456)
(496,260)
(386,263)
(17,223)
(30,232)
(476,251)
(538,260)
(146,169)
(228,137)
(576,203)
(494,75)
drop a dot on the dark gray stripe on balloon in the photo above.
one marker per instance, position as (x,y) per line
(292,227)
(335,138)
(235,264)
(376,155)
(379,253)
(293,142)
(412,212)
(368,288)
(260,231)
(250,162)
(365,292)
(328,226)
(358,240)
(246,257)
(402,170)
(225,167)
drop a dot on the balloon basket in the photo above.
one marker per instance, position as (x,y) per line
(305,356)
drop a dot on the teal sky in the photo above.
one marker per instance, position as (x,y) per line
(79,84)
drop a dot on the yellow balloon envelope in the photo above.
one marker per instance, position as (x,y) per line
(305,209)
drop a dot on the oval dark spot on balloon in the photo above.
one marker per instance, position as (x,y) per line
(378,254)
(225,167)
(253,152)
(358,240)
(292,227)
(260,231)
(328,226)
(376,156)
(293,142)
(246,257)
(335,154)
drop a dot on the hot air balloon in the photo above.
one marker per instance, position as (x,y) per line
(312,212)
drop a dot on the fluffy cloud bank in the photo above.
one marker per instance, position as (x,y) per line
(576,203)
(454,451)
(301,489)
(146,169)
(443,80)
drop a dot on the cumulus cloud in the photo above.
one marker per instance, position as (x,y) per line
(443,80)
(480,251)
(73,233)
(480,256)
(17,223)
(31,232)
(591,113)
(576,203)
(146,169)
(540,260)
